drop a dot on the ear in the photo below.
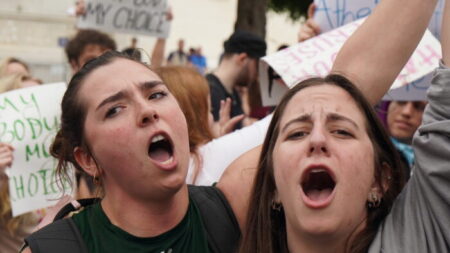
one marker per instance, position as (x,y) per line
(74,65)
(86,161)
(385,178)
(242,58)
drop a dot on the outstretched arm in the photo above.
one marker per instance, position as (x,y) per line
(375,54)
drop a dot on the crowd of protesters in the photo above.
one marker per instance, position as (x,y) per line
(170,157)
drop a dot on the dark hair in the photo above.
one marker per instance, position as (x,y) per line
(245,42)
(71,133)
(266,228)
(77,44)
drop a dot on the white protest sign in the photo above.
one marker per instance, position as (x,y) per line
(146,17)
(29,120)
(331,14)
(315,57)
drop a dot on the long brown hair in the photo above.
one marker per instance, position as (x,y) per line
(266,228)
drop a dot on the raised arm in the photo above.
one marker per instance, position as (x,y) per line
(375,54)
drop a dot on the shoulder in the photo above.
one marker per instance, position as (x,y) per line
(237,181)
(59,236)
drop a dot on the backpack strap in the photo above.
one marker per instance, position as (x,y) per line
(60,236)
(222,228)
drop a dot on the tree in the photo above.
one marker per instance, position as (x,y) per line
(295,8)
(251,16)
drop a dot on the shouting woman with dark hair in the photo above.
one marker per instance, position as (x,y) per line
(121,125)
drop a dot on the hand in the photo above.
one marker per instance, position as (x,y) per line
(80,8)
(310,29)
(6,156)
(169,13)
(226,125)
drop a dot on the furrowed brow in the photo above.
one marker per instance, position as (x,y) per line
(337,117)
(150,85)
(301,118)
(113,98)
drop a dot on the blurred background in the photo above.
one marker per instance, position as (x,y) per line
(37,30)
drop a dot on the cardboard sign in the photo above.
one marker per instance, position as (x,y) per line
(315,57)
(331,14)
(146,17)
(29,120)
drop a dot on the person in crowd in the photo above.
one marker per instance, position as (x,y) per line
(132,50)
(86,45)
(12,65)
(142,166)
(178,57)
(12,229)
(238,68)
(329,179)
(402,120)
(197,59)
(212,145)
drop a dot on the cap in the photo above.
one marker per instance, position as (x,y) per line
(246,42)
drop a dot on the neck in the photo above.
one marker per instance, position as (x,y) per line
(315,245)
(227,74)
(146,218)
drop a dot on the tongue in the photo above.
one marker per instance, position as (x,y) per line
(159,154)
(316,195)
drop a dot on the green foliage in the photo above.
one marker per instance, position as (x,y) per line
(295,8)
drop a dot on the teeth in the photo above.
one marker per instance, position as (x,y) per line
(317,170)
(168,161)
(157,138)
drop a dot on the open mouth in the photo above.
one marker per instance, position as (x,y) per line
(161,149)
(318,184)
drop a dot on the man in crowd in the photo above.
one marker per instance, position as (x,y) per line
(86,45)
(238,67)
(178,57)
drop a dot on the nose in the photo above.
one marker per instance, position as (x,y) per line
(318,142)
(147,115)
(407,109)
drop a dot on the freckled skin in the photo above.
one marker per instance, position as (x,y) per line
(120,143)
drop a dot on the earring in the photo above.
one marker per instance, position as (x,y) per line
(374,201)
(276,206)
(96,179)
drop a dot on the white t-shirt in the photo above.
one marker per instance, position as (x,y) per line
(219,153)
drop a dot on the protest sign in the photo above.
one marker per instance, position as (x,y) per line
(29,120)
(331,14)
(146,17)
(315,57)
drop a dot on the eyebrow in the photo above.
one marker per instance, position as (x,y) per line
(301,118)
(123,93)
(331,117)
(337,117)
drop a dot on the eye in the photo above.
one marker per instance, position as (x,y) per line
(113,111)
(297,135)
(342,132)
(157,95)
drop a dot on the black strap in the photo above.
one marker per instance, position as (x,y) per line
(60,236)
(221,226)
